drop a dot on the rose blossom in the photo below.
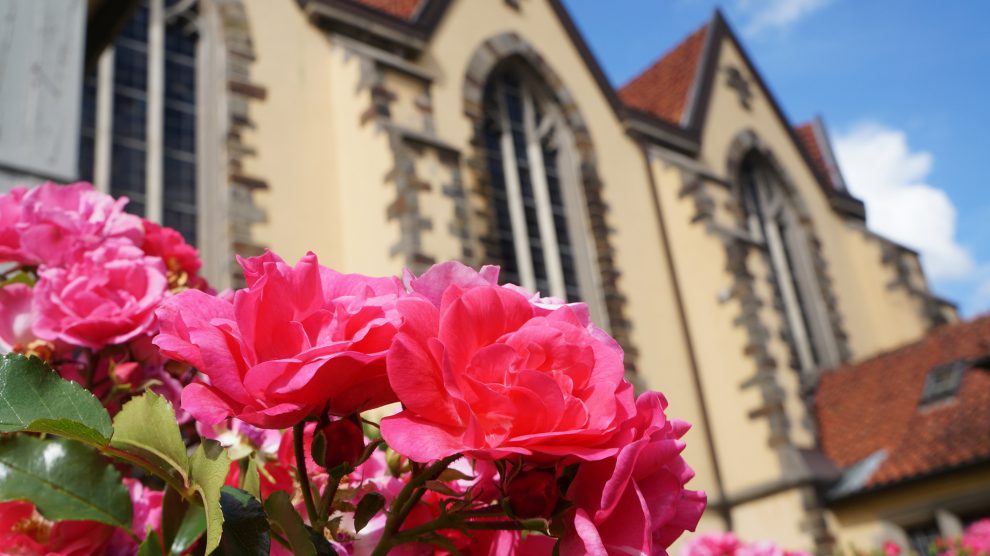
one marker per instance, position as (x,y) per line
(181,259)
(23,531)
(59,221)
(635,502)
(712,544)
(104,296)
(977,537)
(10,237)
(490,371)
(16,316)
(295,342)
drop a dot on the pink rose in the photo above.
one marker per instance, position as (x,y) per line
(10,237)
(24,532)
(59,221)
(635,502)
(891,548)
(977,537)
(712,544)
(104,296)
(147,504)
(181,259)
(16,316)
(296,342)
(481,370)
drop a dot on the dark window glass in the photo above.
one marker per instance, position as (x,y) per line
(127,176)
(922,537)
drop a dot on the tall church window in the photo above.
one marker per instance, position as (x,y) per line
(773,220)
(139,115)
(541,227)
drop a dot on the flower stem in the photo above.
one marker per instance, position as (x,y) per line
(406,501)
(301,472)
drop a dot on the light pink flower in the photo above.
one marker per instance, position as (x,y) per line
(977,537)
(891,548)
(104,296)
(147,504)
(635,502)
(59,221)
(712,544)
(296,342)
(481,370)
(10,237)
(16,316)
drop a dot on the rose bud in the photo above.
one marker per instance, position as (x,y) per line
(533,494)
(343,443)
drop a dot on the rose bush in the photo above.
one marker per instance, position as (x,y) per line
(516,431)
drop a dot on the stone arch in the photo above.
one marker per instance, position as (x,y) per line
(748,143)
(489,56)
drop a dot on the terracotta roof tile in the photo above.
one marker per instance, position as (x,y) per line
(402,9)
(663,88)
(806,133)
(875,405)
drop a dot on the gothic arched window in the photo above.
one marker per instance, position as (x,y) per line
(773,220)
(139,115)
(540,222)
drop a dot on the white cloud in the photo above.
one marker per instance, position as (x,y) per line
(767,15)
(880,168)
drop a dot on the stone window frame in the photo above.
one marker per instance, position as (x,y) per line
(813,269)
(511,47)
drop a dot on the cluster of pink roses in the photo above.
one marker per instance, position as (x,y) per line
(488,372)
(512,428)
(80,280)
(728,544)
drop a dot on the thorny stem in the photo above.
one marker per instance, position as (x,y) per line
(301,472)
(406,500)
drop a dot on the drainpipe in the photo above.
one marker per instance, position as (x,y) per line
(723,506)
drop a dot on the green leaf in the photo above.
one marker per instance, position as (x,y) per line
(442,488)
(152,546)
(35,398)
(190,530)
(285,519)
(245,525)
(208,467)
(145,432)
(64,479)
(250,480)
(370,505)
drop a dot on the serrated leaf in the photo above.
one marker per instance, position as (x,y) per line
(152,546)
(450,475)
(245,525)
(146,428)
(208,468)
(442,488)
(370,504)
(64,479)
(35,398)
(285,518)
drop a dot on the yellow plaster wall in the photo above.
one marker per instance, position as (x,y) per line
(854,263)
(774,518)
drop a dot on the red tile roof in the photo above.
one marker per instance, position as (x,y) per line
(663,88)
(874,405)
(402,9)
(806,134)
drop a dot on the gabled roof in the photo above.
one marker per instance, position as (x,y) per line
(872,423)
(664,88)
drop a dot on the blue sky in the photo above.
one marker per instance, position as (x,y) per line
(902,87)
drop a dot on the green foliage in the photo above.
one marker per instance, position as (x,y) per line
(64,479)
(146,432)
(245,525)
(208,467)
(191,528)
(285,519)
(250,479)
(152,546)
(35,398)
